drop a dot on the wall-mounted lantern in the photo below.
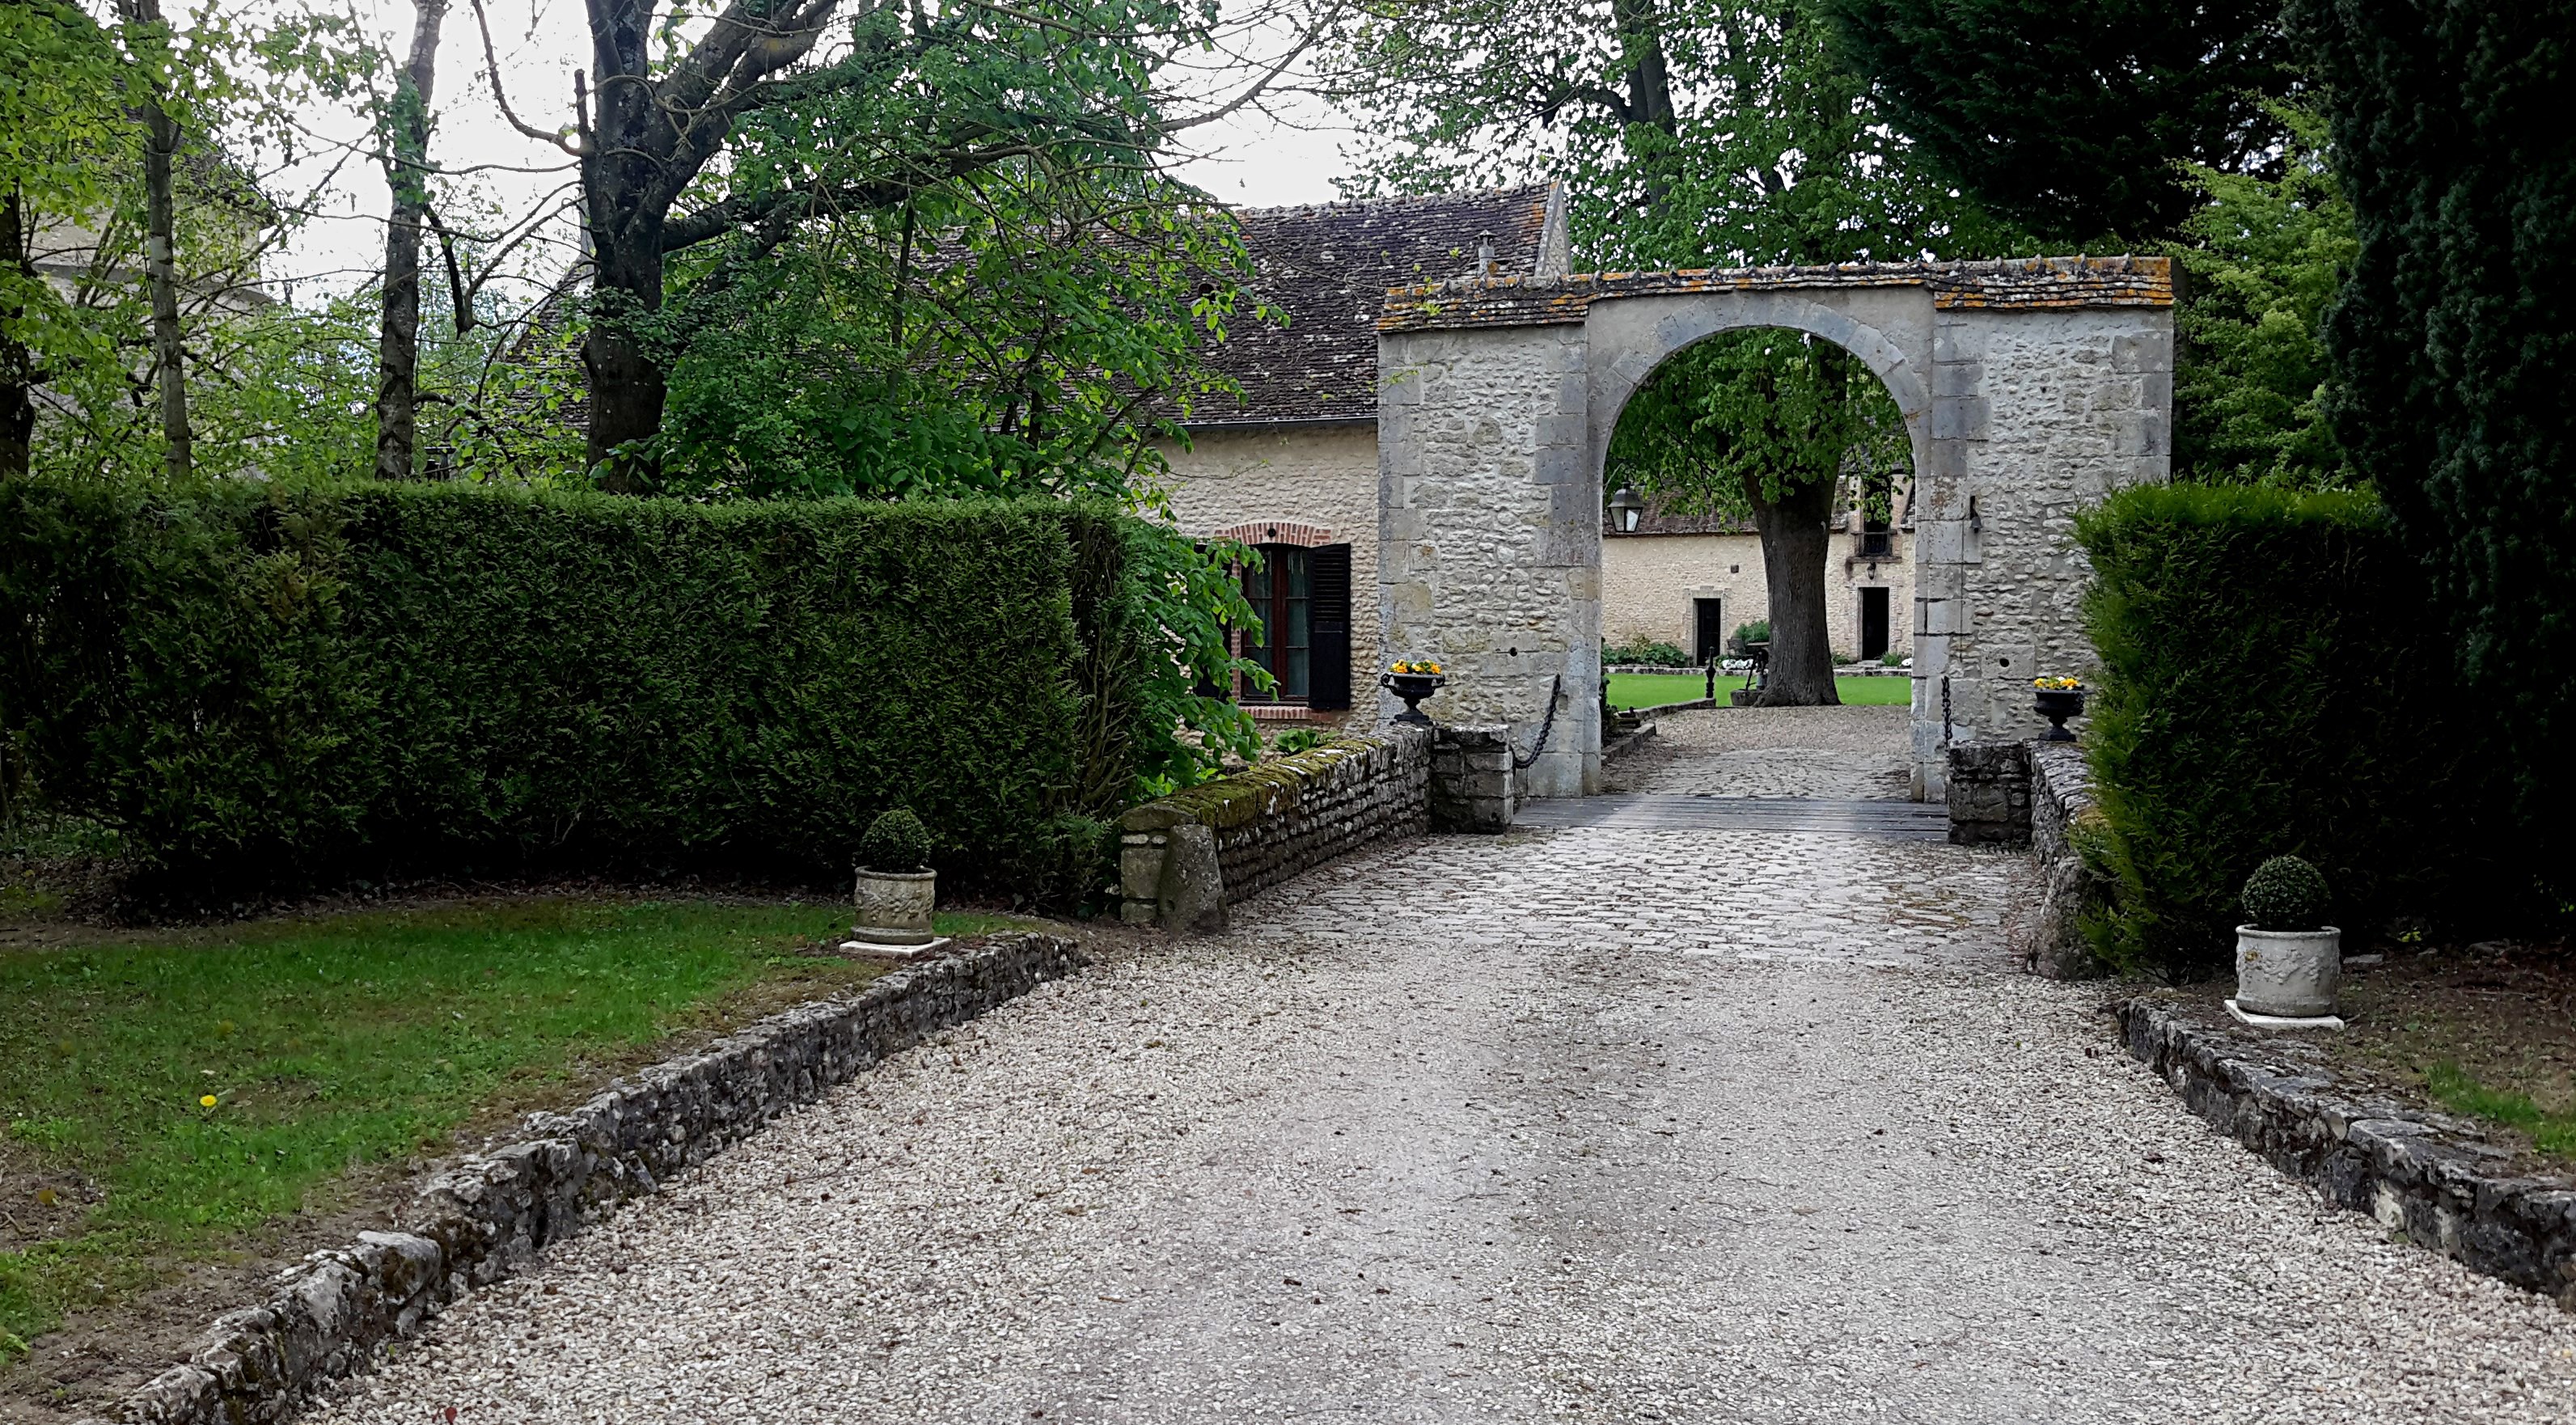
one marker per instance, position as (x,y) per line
(1626,509)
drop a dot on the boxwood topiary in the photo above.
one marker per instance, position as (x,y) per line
(896,843)
(2286,893)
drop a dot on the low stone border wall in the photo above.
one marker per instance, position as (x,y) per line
(2061,803)
(1184,857)
(2435,1180)
(486,1216)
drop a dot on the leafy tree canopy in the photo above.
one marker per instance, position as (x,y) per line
(1690,134)
(2261,261)
(2074,118)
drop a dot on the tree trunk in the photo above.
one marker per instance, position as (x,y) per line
(17,363)
(1795,540)
(407,171)
(627,382)
(161,261)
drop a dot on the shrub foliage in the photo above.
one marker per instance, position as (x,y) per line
(269,686)
(896,843)
(2272,683)
(2454,336)
(2286,893)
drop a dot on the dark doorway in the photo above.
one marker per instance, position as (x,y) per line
(1708,623)
(1873,623)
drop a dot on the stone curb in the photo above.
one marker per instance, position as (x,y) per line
(2433,1179)
(483,1217)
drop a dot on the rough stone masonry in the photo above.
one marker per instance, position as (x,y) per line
(2029,389)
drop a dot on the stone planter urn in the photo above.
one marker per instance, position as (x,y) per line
(2289,974)
(2289,962)
(1412,682)
(895,906)
(2057,705)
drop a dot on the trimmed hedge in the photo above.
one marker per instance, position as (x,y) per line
(2274,682)
(272,687)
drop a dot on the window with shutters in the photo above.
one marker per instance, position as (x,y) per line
(1281,590)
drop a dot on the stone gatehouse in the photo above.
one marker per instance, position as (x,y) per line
(2029,390)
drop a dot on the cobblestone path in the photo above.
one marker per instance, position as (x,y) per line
(1578,1124)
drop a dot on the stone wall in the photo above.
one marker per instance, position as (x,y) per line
(2061,803)
(1649,583)
(2427,1177)
(486,1216)
(1311,474)
(1471,779)
(1489,535)
(1989,794)
(1183,858)
(2029,389)
(2037,412)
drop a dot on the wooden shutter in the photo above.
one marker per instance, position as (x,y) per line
(1328,629)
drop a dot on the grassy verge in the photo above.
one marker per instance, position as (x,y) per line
(1645,690)
(2458,1090)
(163,1097)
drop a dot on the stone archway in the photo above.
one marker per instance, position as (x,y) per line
(2030,389)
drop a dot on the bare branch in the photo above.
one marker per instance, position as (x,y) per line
(501,94)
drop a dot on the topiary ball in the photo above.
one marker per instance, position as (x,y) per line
(896,843)
(2286,893)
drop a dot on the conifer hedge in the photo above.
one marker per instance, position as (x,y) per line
(2275,682)
(291,687)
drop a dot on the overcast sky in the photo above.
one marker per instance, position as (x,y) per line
(1250,159)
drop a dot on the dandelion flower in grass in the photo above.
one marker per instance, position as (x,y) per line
(206,1101)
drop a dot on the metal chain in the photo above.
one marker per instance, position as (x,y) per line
(1555,690)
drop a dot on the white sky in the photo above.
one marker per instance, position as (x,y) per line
(1250,159)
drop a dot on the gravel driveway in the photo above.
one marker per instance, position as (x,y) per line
(1438,1134)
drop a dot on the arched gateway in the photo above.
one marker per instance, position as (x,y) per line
(2030,389)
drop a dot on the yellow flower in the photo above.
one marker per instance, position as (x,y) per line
(207,1101)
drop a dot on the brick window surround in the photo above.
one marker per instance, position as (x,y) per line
(1309,536)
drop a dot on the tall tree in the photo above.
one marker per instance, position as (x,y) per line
(405,125)
(1691,133)
(2454,337)
(148,38)
(919,97)
(2075,118)
(1776,425)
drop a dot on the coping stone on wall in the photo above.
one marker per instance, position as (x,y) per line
(2432,1178)
(485,1216)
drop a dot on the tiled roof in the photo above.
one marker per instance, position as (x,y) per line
(1330,266)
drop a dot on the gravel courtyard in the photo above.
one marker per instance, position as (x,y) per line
(1587,1124)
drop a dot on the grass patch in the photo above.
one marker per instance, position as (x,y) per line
(1646,690)
(206,1083)
(2459,1091)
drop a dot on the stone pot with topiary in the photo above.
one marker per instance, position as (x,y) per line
(2289,962)
(897,887)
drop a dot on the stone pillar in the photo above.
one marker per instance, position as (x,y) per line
(2037,412)
(1471,779)
(1489,537)
(1988,788)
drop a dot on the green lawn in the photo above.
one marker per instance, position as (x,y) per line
(207,1083)
(2460,1091)
(1645,690)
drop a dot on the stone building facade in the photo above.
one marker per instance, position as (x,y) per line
(1693,582)
(1292,467)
